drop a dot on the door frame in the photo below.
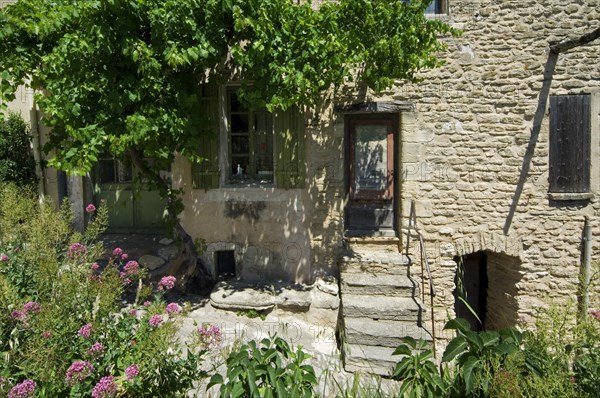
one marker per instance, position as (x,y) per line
(391,196)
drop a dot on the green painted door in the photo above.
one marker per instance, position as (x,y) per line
(132,206)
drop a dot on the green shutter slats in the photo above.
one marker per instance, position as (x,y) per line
(570,146)
(206,174)
(290,170)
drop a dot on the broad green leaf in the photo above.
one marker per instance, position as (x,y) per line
(467,372)
(457,346)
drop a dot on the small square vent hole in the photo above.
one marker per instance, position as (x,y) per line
(225,263)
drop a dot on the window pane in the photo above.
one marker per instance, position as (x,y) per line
(106,171)
(263,152)
(239,123)
(234,103)
(370,158)
(240,145)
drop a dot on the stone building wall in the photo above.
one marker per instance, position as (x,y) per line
(465,152)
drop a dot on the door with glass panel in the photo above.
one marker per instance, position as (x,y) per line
(370,209)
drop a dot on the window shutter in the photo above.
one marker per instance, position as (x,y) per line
(570,147)
(206,174)
(289,147)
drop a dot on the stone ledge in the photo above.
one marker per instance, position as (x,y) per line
(570,195)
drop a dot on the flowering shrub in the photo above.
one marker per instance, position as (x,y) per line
(63,329)
(166,283)
(208,337)
(26,389)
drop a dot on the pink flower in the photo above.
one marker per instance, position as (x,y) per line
(124,256)
(173,308)
(132,371)
(95,266)
(155,320)
(167,282)
(132,312)
(46,334)
(147,303)
(85,331)
(26,389)
(96,350)
(132,267)
(32,307)
(18,315)
(3,257)
(76,250)
(90,208)
(78,371)
(595,314)
(118,251)
(105,388)
(210,336)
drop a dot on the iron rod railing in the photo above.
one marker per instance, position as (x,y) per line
(412,224)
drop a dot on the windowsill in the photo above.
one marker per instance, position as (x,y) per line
(570,195)
(249,183)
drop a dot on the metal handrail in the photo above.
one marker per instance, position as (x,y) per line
(412,222)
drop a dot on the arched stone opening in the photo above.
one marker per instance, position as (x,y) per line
(487,283)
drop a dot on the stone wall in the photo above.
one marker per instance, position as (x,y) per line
(466,150)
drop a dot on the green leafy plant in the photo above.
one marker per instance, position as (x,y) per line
(267,369)
(419,374)
(478,356)
(252,314)
(16,158)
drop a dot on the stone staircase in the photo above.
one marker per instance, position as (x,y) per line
(380,304)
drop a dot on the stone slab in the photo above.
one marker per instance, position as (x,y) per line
(368,283)
(366,331)
(168,253)
(151,262)
(370,359)
(382,307)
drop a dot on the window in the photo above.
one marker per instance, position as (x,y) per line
(437,7)
(112,171)
(570,143)
(250,136)
(241,147)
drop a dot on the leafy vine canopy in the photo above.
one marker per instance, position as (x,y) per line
(125,75)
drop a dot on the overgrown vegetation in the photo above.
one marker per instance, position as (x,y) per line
(63,329)
(17,164)
(559,358)
(64,332)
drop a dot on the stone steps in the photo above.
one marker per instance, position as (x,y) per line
(369,359)
(380,306)
(382,333)
(368,283)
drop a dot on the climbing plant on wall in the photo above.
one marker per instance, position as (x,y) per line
(123,76)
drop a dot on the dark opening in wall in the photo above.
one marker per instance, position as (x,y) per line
(471,287)
(225,260)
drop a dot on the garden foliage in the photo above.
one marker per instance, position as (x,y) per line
(16,158)
(63,329)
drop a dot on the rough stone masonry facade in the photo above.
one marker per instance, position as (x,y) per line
(475,153)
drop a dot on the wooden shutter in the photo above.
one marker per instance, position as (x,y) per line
(570,147)
(289,147)
(206,174)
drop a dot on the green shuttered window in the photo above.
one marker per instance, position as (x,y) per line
(263,149)
(206,174)
(289,146)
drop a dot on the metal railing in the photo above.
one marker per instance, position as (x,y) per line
(412,225)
